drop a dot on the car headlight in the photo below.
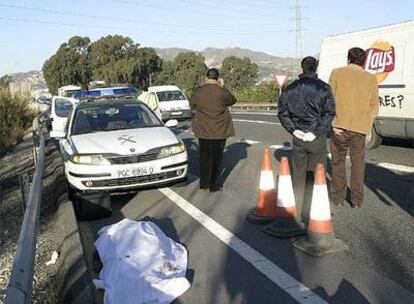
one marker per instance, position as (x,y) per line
(89,159)
(172,150)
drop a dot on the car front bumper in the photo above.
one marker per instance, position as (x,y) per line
(91,178)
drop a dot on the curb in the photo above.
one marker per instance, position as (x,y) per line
(74,283)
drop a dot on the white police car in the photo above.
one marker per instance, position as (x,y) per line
(118,144)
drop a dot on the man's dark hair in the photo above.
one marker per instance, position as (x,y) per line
(213,74)
(357,56)
(309,64)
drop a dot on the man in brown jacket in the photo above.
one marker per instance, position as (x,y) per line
(212,125)
(357,104)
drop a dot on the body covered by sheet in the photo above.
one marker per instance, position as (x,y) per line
(140,264)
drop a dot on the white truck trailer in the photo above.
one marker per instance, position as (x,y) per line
(390,56)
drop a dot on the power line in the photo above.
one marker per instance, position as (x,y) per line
(228,9)
(203,30)
(134,29)
(183,10)
(69,13)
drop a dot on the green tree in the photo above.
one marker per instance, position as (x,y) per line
(166,75)
(109,58)
(69,65)
(118,59)
(265,92)
(238,73)
(115,59)
(189,71)
(148,64)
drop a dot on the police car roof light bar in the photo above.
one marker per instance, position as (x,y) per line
(104,93)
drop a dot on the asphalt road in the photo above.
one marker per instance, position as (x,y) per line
(251,267)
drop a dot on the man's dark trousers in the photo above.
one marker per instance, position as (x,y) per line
(210,160)
(306,155)
(340,143)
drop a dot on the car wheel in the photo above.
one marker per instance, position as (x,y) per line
(375,140)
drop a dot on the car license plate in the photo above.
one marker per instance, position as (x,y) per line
(176,113)
(139,171)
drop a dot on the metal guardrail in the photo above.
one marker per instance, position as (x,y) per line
(19,290)
(254,106)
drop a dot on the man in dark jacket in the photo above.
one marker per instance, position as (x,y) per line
(212,125)
(306,110)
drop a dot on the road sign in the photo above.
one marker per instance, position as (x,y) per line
(280,79)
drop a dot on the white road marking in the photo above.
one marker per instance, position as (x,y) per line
(401,168)
(280,147)
(249,141)
(285,281)
(258,122)
(255,113)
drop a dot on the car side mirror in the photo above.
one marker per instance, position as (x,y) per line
(171,123)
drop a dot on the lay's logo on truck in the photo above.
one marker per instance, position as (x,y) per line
(380,60)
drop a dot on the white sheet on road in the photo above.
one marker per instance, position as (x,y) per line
(140,264)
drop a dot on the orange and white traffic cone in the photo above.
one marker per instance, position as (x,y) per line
(320,239)
(265,210)
(286,223)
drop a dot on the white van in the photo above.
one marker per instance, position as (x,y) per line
(167,101)
(68,91)
(390,56)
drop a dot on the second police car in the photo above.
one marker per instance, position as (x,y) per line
(116,144)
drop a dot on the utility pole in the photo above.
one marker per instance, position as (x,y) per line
(298,38)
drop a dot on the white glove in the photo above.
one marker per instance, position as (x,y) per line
(309,136)
(299,134)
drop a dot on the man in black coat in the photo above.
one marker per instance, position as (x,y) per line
(306,110)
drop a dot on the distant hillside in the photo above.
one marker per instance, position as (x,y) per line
(33,79)
(170,53)
(214,57)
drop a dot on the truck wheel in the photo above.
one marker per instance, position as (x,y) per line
(375,141)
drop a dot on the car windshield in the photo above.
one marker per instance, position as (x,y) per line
(170,95)
(63,107)
(109,117)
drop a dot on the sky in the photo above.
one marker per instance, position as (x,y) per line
(32,30)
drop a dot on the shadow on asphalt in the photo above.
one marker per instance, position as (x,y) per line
(233,154)
(243,283)
(391,187)
(346,293)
